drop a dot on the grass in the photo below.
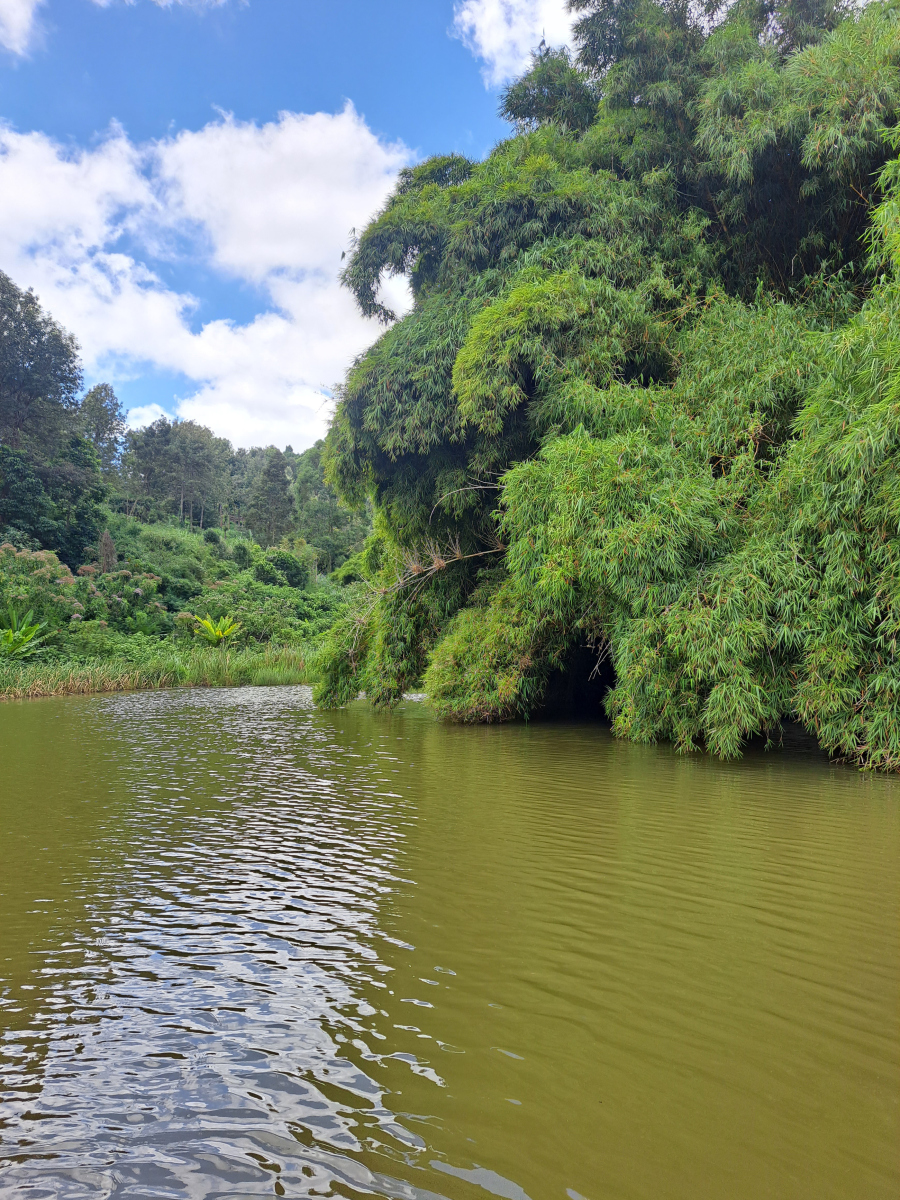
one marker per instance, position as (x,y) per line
(194,667)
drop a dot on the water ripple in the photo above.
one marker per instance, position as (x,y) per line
(252,949)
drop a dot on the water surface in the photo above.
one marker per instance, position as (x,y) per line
(251,949)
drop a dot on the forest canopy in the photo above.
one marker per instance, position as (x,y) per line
(641,424)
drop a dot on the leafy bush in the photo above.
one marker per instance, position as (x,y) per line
(265,571)
(293,569)
(646,398)
(216,633)
(20,638)
(243,555)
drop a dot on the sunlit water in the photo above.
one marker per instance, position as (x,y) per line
(251,949)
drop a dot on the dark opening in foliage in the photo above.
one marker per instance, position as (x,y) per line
(579,686)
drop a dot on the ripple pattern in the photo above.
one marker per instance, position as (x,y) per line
(252,949)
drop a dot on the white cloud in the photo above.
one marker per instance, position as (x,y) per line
(18,24)
(145,414)
(300,179)
(93,232)
(504,32)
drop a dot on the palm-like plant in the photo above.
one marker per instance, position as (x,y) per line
(20,637)
(216,633)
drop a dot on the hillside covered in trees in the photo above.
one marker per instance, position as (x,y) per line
(66,459)
(116,544)
(638,435)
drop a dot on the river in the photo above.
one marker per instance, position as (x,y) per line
(251,949)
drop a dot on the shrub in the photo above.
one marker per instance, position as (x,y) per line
(266,572)
(20,638)
(216,633)
(294,570)
(243,555)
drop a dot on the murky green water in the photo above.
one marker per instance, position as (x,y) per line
(250,949)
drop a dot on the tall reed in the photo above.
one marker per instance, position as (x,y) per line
(194,667)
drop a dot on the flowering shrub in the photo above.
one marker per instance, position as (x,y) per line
(37,580)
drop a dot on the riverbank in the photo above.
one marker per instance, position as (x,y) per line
(194,667)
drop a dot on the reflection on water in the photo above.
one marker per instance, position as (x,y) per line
(251,949)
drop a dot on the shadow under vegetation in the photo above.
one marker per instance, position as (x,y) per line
(576,690)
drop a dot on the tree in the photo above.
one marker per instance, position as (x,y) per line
(645,399)
(146,466)
(54,506)
(26,513)
(50,483)
(334,530)
(552,90)
(245,468)
(177,467)
(102,422)
(271,510)
(198,460)
(76,490)
(40,372)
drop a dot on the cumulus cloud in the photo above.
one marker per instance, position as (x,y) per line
(269,206)
(504,32)
(145,414)
(18,24)
(300,179)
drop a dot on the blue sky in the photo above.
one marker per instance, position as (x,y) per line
(154,69)
(177,181)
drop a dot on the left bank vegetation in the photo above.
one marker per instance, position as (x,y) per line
(154,557)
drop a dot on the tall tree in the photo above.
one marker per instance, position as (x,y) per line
(102,421)
(199,462)
(245,467)
(50,483)
(40,371)
(271,510)
(146,468)
(178,467)
(26,512)
(323,521)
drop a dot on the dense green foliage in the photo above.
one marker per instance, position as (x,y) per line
(115,540)
(646,401)
(181,469)
(51,487)
(162,577)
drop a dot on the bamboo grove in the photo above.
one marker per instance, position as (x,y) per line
(643,415)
